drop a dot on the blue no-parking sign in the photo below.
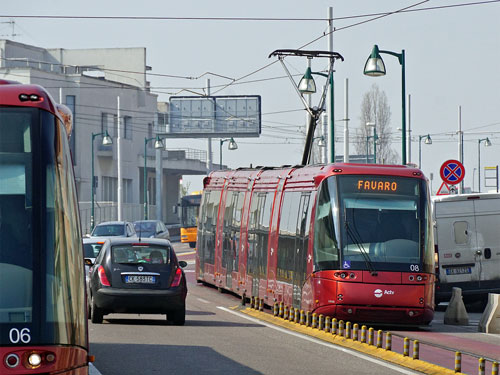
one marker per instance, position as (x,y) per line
(452,172)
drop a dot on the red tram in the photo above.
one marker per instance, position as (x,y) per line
(351,241)
(43,323)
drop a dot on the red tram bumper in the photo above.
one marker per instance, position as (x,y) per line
(388,297)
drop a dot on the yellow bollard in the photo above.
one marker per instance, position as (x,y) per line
(363,334)
(308,319)
(321,322)
(285,312)
(388,341)
(328,323)
(281,312)
(481,366)
(341,328)
(406,347)
(335,326)
(251,302)
(314,323)
(370,336)
(348,330)
(302,317)
(261,304)
(275,309)
(416,349)
(494,368)
(458,362)
(355,331)
(380,335)
(296,318)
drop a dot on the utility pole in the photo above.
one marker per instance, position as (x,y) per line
(460,147)
(331,138)
(119,160)
(346,121)
(409,128)
(209,148)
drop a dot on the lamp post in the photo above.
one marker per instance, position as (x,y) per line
(375,67)
(106,140)
(428,141)
(158,144)
(487,143)
(232,146)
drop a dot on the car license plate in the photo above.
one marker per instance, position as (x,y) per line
(458,270)
(133,279)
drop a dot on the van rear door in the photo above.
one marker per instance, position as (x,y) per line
(456,236)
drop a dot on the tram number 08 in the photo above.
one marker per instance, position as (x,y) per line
(414,268)
(22,335)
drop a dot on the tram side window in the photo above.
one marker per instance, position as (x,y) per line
(211,226)
(263,233)
(253,221)
(287,235)
(326,252)
(16,248)
(201,231)
(236,228)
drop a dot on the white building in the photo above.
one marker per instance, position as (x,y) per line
(89,82)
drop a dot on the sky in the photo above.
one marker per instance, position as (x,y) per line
(452,57)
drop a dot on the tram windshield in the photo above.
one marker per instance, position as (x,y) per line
(41,288)
(374,223)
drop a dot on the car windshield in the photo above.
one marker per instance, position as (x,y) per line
(91,250)
(109,230)
(140,254)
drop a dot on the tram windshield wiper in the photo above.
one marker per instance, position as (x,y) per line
(366,257)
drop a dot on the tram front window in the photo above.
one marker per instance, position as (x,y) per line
(16,260)
(375,223)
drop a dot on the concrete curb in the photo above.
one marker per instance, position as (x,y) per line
(381,353)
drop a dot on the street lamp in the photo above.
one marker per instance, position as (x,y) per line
(308,86)
(487,143)
(375,138)
(106,140)
(232,146)
(428,141)
(375,67)
(158,145)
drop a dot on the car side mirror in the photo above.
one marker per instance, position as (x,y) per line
(183,263)
(88,262)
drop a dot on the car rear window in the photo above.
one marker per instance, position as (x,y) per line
(91,250)
(109,230)
(140,254)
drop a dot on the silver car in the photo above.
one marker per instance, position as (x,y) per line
(151,229)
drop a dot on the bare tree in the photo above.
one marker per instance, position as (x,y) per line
(374,109)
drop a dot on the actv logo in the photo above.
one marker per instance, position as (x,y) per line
(379,293)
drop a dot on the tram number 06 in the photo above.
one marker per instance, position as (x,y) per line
(16,335)
(414,268)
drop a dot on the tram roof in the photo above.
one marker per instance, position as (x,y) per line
(302,176)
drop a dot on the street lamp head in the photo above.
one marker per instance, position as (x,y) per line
(232,144)
(428,140)
(158,142)
(321,142)
(370,123)
(374,66)
(106,139)
(307,84)
(487,143)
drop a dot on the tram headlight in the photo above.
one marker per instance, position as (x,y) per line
(34,359)
(12,360)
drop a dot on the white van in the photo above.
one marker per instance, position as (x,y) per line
(467,239)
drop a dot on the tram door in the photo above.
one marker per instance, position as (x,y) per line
(301,242)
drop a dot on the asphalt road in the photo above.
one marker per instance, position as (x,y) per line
(216,340)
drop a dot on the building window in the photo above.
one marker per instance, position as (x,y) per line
(109,189)
(127,191)
(105,123)
(127,127)
(71,104)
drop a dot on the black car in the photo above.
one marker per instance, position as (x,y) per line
(142,277)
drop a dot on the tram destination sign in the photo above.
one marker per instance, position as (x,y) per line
(214,116)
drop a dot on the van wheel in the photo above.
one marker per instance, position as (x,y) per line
(96,314)
(192,245)
(177,317)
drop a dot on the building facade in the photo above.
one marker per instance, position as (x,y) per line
(107,91)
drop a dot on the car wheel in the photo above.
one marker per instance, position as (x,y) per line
(177,317)
(96,313)
(192,245)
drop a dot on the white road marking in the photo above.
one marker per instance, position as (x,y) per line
(93,370)
(189,271)
(202,300)
(320,342)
